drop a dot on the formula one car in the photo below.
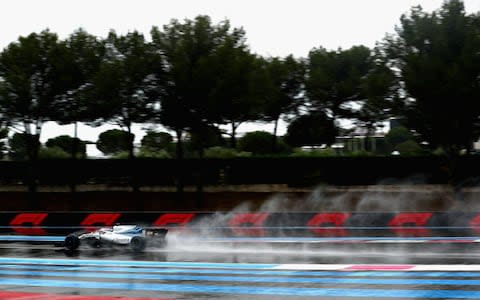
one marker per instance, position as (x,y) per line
(134,236)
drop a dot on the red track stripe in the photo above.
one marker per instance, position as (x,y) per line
(38,296)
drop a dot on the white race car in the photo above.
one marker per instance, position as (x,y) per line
(134,236)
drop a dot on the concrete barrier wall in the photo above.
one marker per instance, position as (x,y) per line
(253,223)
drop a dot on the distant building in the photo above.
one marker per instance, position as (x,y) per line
(395,122)
(356,140)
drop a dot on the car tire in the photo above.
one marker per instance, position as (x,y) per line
(138,243)
(72,242)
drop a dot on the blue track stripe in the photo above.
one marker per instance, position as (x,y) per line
(247,272)
(244,290)
(247,279)
(31,238)
(123,263)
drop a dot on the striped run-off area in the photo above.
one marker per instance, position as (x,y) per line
(40,278)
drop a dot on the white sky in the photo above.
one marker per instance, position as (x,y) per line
(273,27)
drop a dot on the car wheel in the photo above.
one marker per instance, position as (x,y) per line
(138,243)
(72,242)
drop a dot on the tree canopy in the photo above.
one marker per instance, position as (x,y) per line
(313,130)
(34,71)
(124,80)
(114,141)
(334,79)
(200,80)
(437,56)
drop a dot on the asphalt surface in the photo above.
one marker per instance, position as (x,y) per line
(192,269)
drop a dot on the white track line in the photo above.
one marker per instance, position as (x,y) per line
(376,267)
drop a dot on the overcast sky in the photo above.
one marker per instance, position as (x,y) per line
(273,27)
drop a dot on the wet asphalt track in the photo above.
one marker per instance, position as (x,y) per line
(192,269)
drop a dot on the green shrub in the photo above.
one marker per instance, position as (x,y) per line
(204,137)
(261,143)
(439,152)
(156,140)
(65,142)
(410,148)
(120,155)
(360,153)
(148,153)
(52,153)
(113,141)
(18,146)
(397,136)
(223,152)
(328,152)
(313,129)
(282,147)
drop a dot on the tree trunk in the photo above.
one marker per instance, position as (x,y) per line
(73,157)
(33,145)
(233,140)
(274,142)
(179,173)
(179,147)
(131,157)
(131,154)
